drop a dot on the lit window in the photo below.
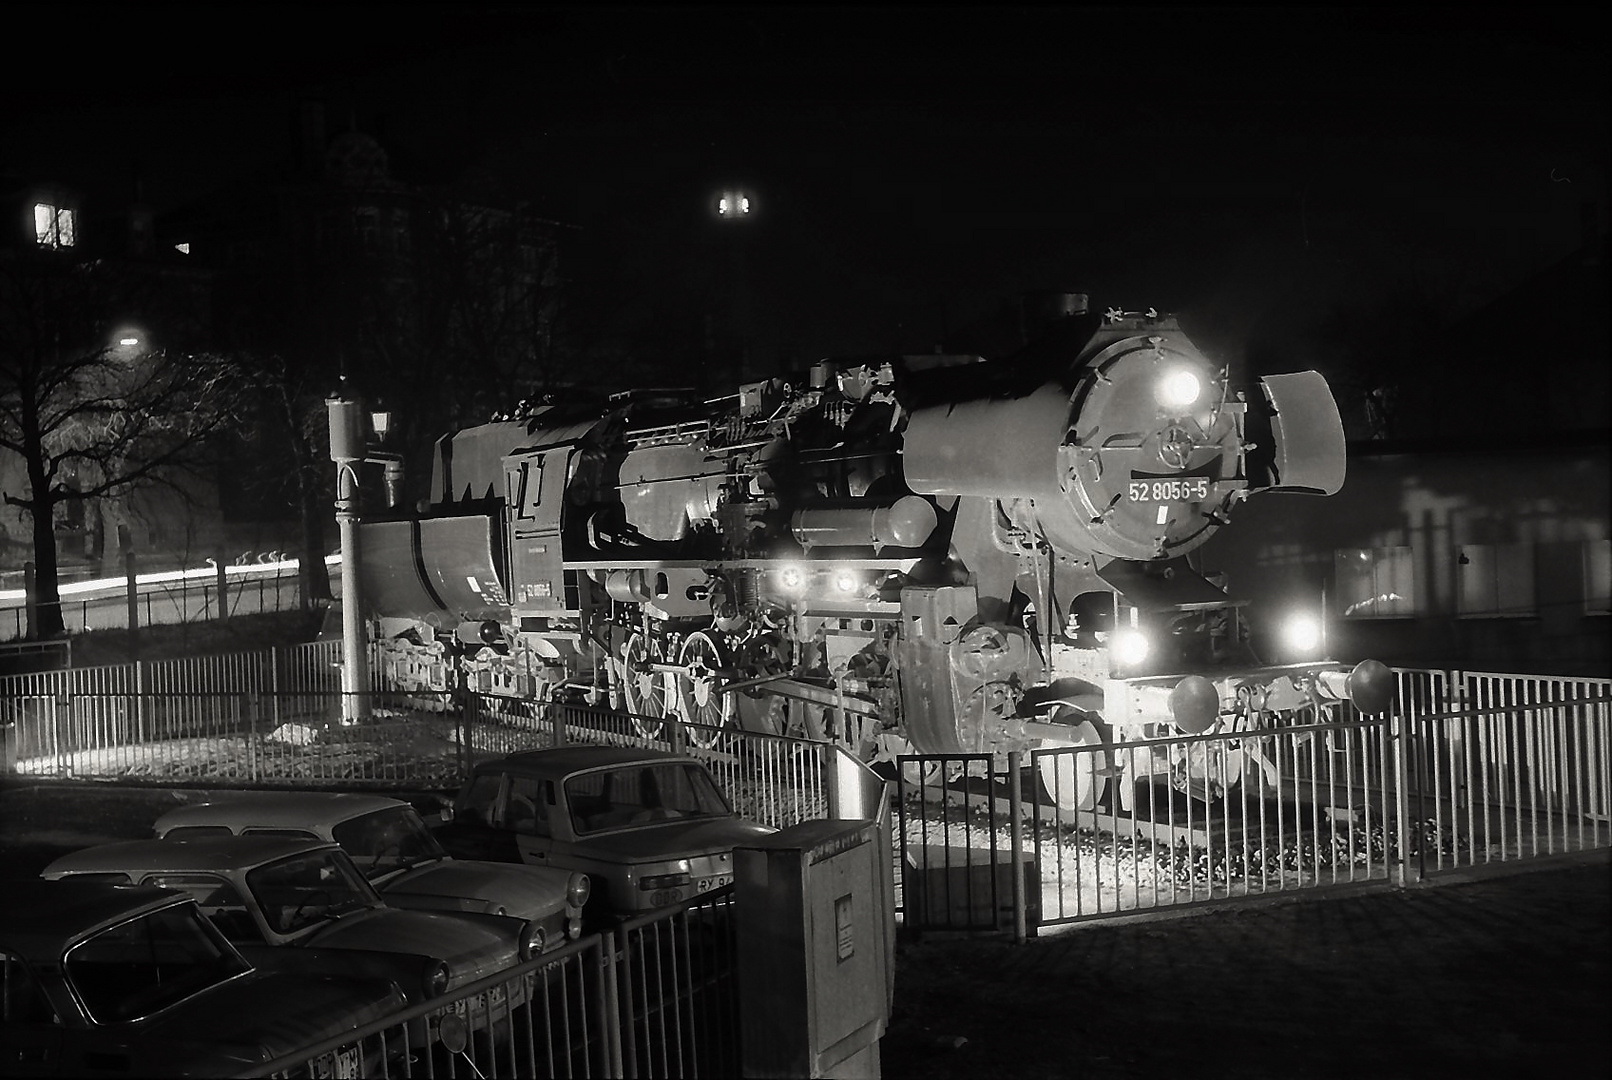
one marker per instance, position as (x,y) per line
(1598,577)
(54,226)
(1495,581)
(1376,583)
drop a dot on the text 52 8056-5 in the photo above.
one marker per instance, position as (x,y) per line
(1182,489)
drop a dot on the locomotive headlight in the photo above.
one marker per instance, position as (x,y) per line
(1177,389)
(846,582)
(792,579)
(1130,647)
(1302,633)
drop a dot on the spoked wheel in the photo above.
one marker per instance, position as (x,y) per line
(697,697)
(645,688)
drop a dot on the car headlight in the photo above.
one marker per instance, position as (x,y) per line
(578,889)
(532,940)
(436,983)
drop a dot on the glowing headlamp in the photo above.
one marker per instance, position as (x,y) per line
(1177,389)
(1130,647)
(1302,633)
(792,579)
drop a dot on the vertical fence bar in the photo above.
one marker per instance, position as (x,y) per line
(1016,837)
(1397,737)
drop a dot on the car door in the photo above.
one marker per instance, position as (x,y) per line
(477,830)
(529,808)
(218,899)
(29,1033)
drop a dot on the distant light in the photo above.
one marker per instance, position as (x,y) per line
(733,204)
(1177,389)
(128,342)
(183,249)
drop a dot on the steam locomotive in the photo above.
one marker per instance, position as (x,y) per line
(930,553)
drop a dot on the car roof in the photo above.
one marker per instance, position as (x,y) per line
(569,759)
(218,853)
(43,916)
(278,809)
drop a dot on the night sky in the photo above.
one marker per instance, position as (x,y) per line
(911,167)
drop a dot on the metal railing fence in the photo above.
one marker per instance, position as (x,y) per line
(189,600)
(1103,830)
(298,737)
(656,996)
(773,779)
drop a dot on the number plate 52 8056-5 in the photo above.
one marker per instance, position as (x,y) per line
(1168,489)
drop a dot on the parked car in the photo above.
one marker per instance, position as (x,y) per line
(269,892)
(395,849)
(649,828)
(111,980)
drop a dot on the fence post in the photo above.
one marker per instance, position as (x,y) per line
(61,721)
(251,738)
(462,712)
(1016,838)
(1398,735)
(274,682)
(559,713)
(140,697)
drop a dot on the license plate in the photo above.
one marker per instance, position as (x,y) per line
(707,884)
(1176,489)
(495,997)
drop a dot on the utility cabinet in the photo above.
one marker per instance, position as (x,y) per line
(813,947)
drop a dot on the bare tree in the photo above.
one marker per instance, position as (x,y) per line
(91,417)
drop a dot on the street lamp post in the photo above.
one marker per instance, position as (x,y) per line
(349,449)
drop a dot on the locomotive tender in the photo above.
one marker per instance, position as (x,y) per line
(935,554)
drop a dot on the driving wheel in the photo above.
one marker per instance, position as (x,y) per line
(698,700)
(645,688)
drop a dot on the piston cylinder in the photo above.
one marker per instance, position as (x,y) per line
(905,523)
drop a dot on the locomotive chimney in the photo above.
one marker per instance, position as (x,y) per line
(1041,308)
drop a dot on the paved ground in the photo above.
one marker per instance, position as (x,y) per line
(1510,976)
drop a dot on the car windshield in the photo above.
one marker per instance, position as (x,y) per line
(388,840)
(641,795)
(304,889)
(138,968)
